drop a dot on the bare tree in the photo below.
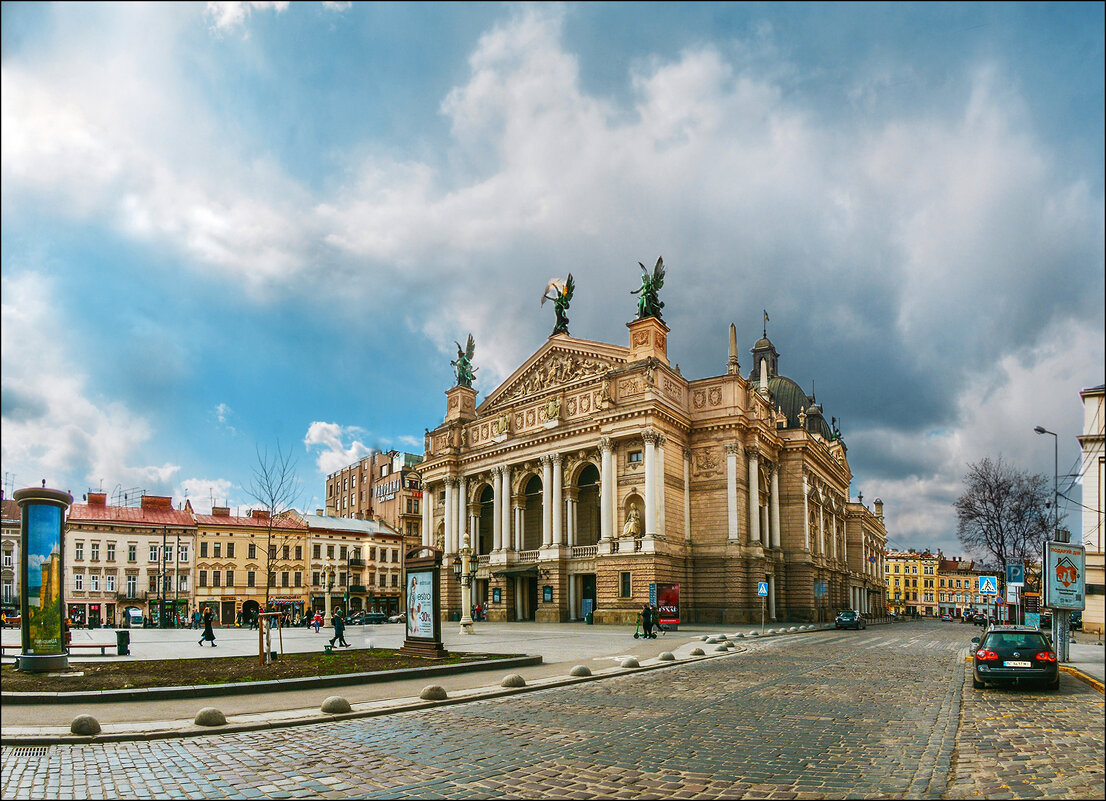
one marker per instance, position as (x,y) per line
(1003,514)
(274,485)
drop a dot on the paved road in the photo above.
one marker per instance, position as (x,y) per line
(883,712)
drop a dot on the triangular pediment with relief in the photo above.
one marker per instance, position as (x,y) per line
(561,362)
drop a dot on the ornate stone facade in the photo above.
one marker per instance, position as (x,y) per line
(595,470)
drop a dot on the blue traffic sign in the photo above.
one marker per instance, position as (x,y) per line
(988,585)
(762,588)
(1015,575)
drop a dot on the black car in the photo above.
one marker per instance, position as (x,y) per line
(850,619)
(1014,655)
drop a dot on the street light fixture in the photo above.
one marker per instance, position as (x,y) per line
(463,569)
(1060,616)
(1055,470)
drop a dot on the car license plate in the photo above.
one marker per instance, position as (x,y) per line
(1018,664)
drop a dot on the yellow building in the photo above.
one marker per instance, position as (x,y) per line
(912,583)
(233,570)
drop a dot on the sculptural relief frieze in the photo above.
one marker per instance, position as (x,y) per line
(557,368)
(706,461)
(630,386)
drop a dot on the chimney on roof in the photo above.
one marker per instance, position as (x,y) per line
(259,514)
(319,512)
(97,499)
(159,503)
(220,511)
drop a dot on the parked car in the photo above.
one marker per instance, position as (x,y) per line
(947,618)
(1014,655)
(850,619)
(400,618)
(371,618)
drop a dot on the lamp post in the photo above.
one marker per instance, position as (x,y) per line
(1059,616)
(326,591)
(461,569)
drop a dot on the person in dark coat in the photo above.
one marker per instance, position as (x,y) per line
(339,630)
(647,620)
(208,635)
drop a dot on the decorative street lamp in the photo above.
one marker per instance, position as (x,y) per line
(463,570)
(1060,617)
(326,591)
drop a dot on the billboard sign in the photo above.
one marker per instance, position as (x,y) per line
(420,604)
(666,599)
(1064,576)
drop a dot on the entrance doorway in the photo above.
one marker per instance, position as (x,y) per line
(226,615)
(531,597)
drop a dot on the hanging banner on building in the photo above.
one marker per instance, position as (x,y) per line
(420,604)
(1064,576)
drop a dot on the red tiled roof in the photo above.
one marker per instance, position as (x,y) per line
(248,522)
(85,513)
(10,509)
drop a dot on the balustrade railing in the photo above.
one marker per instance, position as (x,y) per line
(528,556)
(584,551)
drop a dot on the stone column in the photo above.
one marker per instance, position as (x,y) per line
(650,438)
(450,515)
(687,494)
(572,534)
(546,501)
(732,449)
(558,506)
(572,597)
(822,525)
(661,529)
(520,521)
(427,515)
(505,480)
(772,597)
(806,513)
(754,496)
(462,507)
(606,485)
(474,527)
(497,510)
(774,506)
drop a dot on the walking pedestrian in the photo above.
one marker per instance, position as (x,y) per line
(647,620)
(317,621)
(339,630)
(208,634)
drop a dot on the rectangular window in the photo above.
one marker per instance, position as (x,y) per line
(230,578)
(7,558)
(78,551)
(342,579)
(315,578)
(109,583)
(217,550)
(153,553)
(284,553)
(182,554)
(284,578)
(7,592)
(132,586)
(94,552)
(153,583)
(395,555)
(251,578)
(94,582)
(203,578)
(372,579)
(330,552)
(316,551)
(132,553)
(230,550)
(203,550)
(111,551)
(383,580)
(183,584)
(215,578)
(272,578)
(299,553)
(624,584)
(251,551)
(634,456)
(272,552)
(395,579)
(298,579)
(78,582)
(372,554)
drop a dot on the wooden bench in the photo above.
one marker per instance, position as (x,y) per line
(103,647)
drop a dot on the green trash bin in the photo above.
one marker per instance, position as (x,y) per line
(589,618)
(456,617)
(122,643)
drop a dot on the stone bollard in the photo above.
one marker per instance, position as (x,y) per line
(793,628)
(580,670)
(210,716)
(723,647)
(697,652)
(433,692)
(711,640)
(336,705)
(513,680)
(85,725)
(629,662)
(754,633)
(704,638)
(732,646)
(740,636)
(667,656)
(722,637)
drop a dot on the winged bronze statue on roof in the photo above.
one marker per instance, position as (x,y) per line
(463,362)
(562,296)
(649,304)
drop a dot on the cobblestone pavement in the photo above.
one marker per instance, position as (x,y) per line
(879,713)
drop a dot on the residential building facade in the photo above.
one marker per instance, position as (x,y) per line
(9,555)
(120,557)
(384,486)
(1094,499)
(912,583)
(958,588)
(596,470)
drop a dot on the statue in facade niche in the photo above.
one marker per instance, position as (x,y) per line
(562,296)
(649,304)
(463,363)
(633,522)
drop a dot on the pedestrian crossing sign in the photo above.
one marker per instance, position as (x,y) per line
(762,588)
(988,585)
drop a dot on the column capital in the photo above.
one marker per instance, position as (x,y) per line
(546,460)
(556,458)
(687,453)
(450,481)
(606,445)
(661,439)
(732,449)
(650,436)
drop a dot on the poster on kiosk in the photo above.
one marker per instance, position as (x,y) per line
(1064,576)
(665,598)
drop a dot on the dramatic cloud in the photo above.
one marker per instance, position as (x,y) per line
(335,454)
(228,16)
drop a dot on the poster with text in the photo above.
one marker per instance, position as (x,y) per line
(1064,576)
(420,604)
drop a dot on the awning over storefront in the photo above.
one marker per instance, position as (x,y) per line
(517,570)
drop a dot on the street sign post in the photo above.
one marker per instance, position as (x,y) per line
(762,591)
(1064,567)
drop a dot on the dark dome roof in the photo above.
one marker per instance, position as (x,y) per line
(763,342)
(816,424)
(789,397)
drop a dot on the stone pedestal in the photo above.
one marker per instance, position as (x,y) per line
(460,404)
(648,340)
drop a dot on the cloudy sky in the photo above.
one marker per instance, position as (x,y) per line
(232,225)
